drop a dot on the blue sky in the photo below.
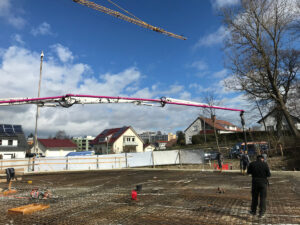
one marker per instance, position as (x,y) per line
(89,52)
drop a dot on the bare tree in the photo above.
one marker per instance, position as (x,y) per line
(61,134)
(211,100)
(261,53)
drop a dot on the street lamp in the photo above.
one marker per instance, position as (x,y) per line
(37,106)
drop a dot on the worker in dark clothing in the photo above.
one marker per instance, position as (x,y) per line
(260,172)
(220,161)
(244,162)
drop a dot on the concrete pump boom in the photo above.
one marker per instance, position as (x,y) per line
(127,18)
(71,99)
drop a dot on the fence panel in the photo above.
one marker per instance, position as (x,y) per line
(191,156)
(50,164)
(112,161)
(18,164)
(166,157)
(139,159)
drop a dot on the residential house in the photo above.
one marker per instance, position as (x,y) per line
(118,140)
(13,143)
(152,137)
(161,145)
(149,147)
(83,143)
(55,147)
(271,122)
(206,125)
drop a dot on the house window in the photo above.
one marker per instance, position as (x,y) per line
(0,142)
(133,139)
(270,128)
(195,128)
(10,142)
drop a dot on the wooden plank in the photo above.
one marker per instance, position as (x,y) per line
(71,157)
(15,160)
(28,209)
(9,192)
(13,166)
(70,163)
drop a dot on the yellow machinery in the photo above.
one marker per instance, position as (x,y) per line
(119,15)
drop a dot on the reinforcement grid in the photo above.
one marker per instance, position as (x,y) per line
(167,197)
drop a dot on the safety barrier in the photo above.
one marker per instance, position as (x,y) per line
(111,161)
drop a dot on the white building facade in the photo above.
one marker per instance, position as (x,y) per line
(118,140)
(13,143)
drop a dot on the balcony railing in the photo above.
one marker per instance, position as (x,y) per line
(130,143)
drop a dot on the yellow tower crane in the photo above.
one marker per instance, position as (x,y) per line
(126,18)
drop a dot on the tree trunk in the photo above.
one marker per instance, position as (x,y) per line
(213,117)
(263,120)
(288,118)
(278,123)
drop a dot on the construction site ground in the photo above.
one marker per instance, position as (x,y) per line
(168,196)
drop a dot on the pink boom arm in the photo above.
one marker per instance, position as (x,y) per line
(162,101)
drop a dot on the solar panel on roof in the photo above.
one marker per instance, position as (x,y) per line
(18,129)
(1,129)
(105,131)
(7,126)
(9,130)
(120,131)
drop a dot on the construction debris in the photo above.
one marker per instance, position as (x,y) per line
(28,209)
(220,190)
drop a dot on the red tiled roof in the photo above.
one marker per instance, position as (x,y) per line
(219,124)
(115,133)
(57,143)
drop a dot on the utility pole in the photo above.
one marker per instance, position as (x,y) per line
(37,106)
(244,131)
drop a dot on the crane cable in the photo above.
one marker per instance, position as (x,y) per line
(129,13)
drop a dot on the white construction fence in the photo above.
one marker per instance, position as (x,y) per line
(98,162)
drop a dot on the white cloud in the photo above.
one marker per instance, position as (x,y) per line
(9,15)
(43,29)
(18,39)
(199,65)
(223,3)
(214,38)
(63,53)
(173,89)
(19,72)
(220,74)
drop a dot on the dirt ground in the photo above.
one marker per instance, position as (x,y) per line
(167,197)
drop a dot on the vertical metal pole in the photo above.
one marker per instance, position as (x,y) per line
(33,159)
(179,153)
(37,107)
(106,145)
(204,131)
(67,163)
(243,125)
(97,161)
(153,164)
